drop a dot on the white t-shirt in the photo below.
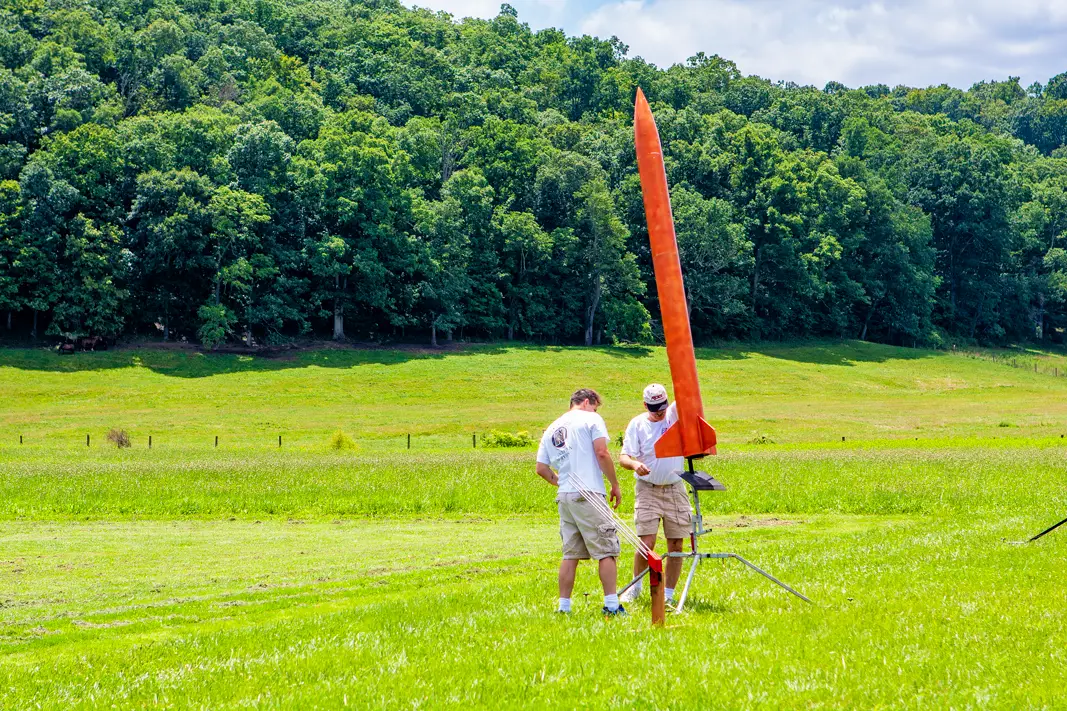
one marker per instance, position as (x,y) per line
(639,442)
(567,447)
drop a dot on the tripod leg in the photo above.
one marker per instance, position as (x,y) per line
(688,582)
(770,577)
(1048,530)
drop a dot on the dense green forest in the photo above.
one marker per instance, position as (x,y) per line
(272,169)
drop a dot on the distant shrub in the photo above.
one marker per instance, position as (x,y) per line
(1005,424)
(119,438)
(761,439)
(503,440)
(618,440)
(339,441)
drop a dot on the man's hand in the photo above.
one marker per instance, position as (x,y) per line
(641,469)
(607,466)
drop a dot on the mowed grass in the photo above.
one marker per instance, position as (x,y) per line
(910,613)
(187,576)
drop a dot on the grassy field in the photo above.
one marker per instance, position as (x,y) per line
(816,393)
(302,577)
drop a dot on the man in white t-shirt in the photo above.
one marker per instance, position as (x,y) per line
(574,457)
(659,494)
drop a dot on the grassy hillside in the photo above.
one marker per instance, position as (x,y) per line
(302,577)
(793,394)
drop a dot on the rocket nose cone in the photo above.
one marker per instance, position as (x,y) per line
(640,101)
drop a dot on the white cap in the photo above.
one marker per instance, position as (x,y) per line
(656,396)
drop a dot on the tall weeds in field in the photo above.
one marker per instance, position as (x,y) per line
(506,440)
(340,441)
(119,438)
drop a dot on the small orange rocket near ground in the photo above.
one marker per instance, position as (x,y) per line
(691,435)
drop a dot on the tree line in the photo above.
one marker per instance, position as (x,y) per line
(263,170)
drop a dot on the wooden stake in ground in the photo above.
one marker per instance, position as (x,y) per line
(655,585)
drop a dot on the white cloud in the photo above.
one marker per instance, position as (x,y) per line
(856,42)
(539,13)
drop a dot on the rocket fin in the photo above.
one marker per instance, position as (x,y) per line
(707,437)
(670,443)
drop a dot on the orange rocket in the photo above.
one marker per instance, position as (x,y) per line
(691,435)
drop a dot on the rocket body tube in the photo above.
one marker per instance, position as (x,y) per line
(691,436)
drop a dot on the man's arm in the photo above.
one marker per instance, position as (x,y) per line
(545,472)
(630,444)
(628,462)
(607,465)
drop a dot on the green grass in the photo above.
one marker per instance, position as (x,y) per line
(983,479)
(806,393)
(187,576)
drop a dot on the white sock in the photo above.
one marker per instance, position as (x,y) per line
(669,592)
(564,604)
(611,602)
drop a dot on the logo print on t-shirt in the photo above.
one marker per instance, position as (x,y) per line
(559,438)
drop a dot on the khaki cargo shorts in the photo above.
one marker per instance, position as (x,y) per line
(667,503)
(586,532)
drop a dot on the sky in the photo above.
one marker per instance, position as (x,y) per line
(855,42)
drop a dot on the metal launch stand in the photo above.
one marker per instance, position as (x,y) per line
(700,481)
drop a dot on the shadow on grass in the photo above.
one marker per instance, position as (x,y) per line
(189,362)
(710,607)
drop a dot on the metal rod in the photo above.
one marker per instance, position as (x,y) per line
(635,581)
(770,577)
(688,582)
(1050,529)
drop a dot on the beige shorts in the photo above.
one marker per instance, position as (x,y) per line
(586,532)
(667,503)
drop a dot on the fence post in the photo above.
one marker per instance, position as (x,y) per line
(409,441)
(86,440)
(150,441)
(474,441)
(216,440)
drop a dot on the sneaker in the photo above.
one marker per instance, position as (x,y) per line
(614,613)
(630,595)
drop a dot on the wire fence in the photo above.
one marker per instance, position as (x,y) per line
(121,440)
(1015,360)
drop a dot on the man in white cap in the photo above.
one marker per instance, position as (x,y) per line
(660,493)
